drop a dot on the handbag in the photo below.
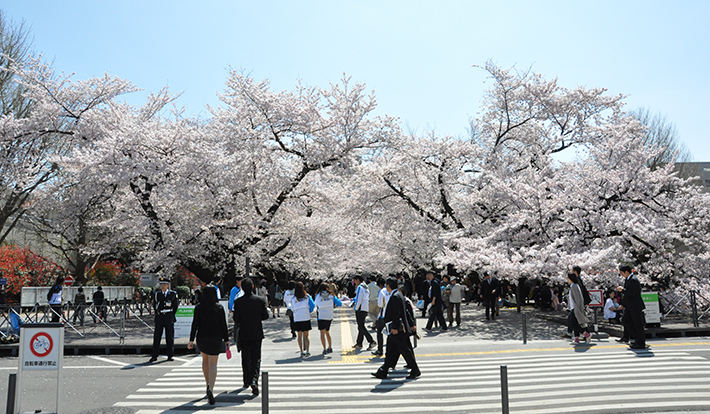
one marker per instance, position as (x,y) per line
(420,304)
(278,295)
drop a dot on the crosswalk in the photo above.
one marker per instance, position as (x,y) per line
(616,380)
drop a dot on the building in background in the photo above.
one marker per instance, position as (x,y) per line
(696,169)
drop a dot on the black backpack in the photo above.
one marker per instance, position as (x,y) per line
(585,295)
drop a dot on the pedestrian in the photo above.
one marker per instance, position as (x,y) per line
(54,297)
(165,305)
(578,317)
(489,292)
(288,297)
(275,299)
(456,296)
(383,296)
(261,291)
(372,306)
(97,300)
(209,326)
(436,304)
(325,302)
(611,308)
(362,305)
(249,311)
(79,306)
(196,297)
(400,324)
(633,306)
(302,305)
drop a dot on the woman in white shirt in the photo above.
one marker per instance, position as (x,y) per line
(302,305)
(326,301)
(610,308)
(288,295)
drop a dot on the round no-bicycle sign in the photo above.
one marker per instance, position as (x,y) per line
(41,344)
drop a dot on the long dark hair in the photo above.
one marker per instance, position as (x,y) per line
(299,291)
(209,297)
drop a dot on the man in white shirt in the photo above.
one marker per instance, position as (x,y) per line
(374,290)
(362,307)
(456,296)
(383,297)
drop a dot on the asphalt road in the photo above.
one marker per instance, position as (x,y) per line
(460,373)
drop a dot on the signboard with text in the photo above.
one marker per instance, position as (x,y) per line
(653,308)
(40,348)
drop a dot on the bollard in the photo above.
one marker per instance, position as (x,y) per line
(264,392)
(504,388)
(11,383)
(525,329)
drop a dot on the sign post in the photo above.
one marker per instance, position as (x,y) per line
(597,302)
(653,308)
(41,349)
(69,280)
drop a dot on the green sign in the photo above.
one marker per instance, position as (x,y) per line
(185,312)
(649,297)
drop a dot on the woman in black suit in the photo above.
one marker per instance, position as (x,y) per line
(210,327)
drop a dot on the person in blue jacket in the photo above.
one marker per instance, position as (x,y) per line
(302,305)
(326,301)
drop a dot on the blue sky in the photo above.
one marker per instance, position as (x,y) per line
(418,56)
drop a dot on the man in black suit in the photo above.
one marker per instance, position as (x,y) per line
(436,304)
(400,319)
(490,292)
(633,306)
(249,311)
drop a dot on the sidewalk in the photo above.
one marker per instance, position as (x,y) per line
(138,338)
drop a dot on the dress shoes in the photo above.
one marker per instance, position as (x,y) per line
(415,373)
(636,346)
(622,341)
(254,389)
(381,374)
(171,359)
(150,361)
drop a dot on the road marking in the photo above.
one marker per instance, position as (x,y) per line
(346,342)
(110,361)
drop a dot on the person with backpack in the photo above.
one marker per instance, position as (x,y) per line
(587,299)
(577,316)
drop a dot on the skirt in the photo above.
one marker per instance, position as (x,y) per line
(302,326)
(324,324)
(210,345)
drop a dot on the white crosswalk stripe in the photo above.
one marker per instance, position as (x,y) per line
(540,383)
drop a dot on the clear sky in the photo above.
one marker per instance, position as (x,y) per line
(418,56)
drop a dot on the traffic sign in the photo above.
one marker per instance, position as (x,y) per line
(3,281)
(69,280)
(597,296)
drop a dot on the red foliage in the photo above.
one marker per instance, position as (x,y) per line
(22,267)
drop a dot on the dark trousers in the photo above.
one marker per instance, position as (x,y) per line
(380,338)
(450,313)
(361,328)
(633,324)
(251,361)
(56,311)
(574,326)
(490,306)
(79,312)
(399,345)
(436,314)
(164,322)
